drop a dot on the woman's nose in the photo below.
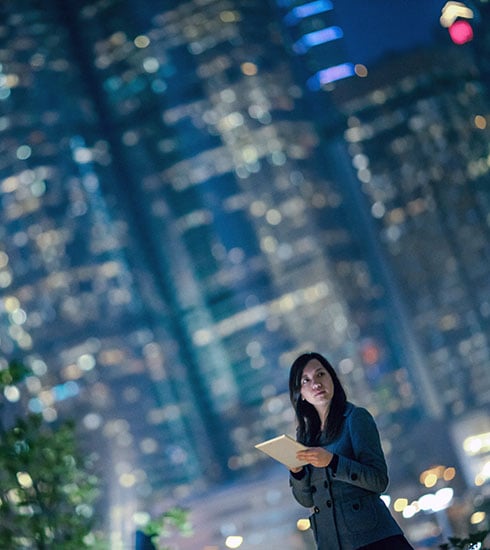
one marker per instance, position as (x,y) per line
(317,384)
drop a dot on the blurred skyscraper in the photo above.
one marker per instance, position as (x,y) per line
(418,137)
(419,144)
(176,228)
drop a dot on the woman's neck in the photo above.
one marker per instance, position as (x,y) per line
(323,414)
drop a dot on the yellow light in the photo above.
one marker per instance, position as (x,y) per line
(233,541)
(479,480)
(11,303)
(24,479)
(400,504)
(11,81)
(449,474)
(429,477)
(430,480)
(228,16)
(249,69)
(480,122)
(142,41)
(477,517)
(303,524)
(361,70)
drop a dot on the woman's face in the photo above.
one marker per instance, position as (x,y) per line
(316,385)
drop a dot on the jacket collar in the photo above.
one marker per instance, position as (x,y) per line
(349,407)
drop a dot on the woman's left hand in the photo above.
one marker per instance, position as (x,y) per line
(316,456)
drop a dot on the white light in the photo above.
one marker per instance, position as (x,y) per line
(151,64)
(86,361)
(11,393)
(233,541)
(19,316)
(141,518)
(24,152)
(427,502)
(82,155)
(442,499)
(409,511)
(386,499)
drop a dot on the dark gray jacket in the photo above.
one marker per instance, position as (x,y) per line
(347,510)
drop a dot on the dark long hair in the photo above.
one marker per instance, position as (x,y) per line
(309,423)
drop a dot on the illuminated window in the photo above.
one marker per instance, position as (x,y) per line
(307,10)
(317,37)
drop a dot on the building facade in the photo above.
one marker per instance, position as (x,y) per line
(419,145)
(175,231)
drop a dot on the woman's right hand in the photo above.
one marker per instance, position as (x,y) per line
(296,470)
(316,456)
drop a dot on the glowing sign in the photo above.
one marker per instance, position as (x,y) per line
(452,11)
(317,37)
(325,76)
(455,17)
(307,10)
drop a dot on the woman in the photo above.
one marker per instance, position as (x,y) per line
(346,470)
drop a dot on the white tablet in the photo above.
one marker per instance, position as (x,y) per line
(283,448)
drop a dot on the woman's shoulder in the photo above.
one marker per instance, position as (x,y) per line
(349,408)
(355,411)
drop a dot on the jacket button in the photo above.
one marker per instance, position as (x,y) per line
(355,506)
(313,489)
(329,503)
(316,509)
(325,484)
(353,477)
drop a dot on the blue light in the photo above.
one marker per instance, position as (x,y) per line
(317,37)
(306,10)
(66,390)
(325,76)
(60,392)
(35,405)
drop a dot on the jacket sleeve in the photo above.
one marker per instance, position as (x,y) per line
(367,468)
(301,488)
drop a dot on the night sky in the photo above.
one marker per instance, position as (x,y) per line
(375,28)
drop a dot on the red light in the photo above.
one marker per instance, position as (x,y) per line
(461,32)
(370,354)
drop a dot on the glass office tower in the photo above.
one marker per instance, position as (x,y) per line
(79,301)
(420,149)
(246,226)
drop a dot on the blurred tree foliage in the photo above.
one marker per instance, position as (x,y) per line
(47,490)
(173,521)
(474,541)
